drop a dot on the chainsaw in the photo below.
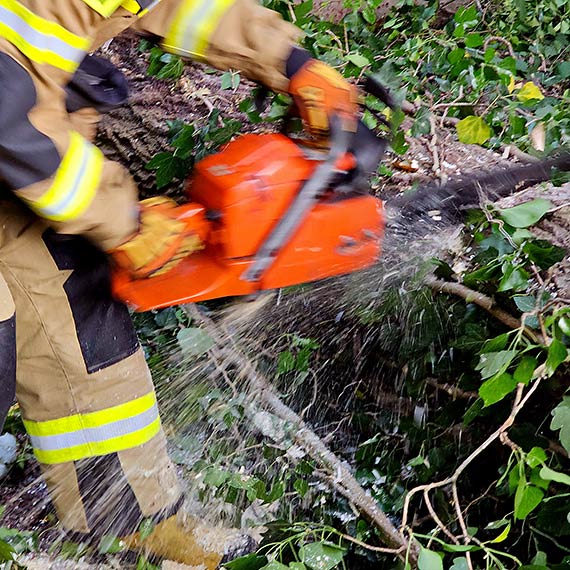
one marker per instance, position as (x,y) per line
(273,212)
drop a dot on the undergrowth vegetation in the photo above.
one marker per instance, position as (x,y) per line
(452,409)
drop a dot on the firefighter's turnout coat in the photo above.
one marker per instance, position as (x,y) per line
(66,346)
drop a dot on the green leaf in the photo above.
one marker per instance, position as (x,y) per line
(561,421)
(194,341)
(429,560)
(357,59)
(535,457)
(474,40)
(249,562)
(526,215)
(557,354)
(321,555)
(455,56)
(110,545)
(514,278)
(527,498)
(216,477)
(166,166)
(525,303)
(146,528)
(297,566)
(495,363)
(496,388)
(543,253)
(473,130)
(301,486)
(6,552)
(460,564)
(467,16)
(495,344)
(551,475)
(525,370)
(503,536)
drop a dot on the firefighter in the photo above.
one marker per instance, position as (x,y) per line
(68,350)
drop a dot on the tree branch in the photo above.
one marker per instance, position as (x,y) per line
(341,478)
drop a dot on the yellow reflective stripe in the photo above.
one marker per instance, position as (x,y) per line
(41,40)
(104,7)
(91,420)
(97,449)
(131,6)
(194,25)
(75,183)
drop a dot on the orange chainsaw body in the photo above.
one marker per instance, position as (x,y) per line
(237,198)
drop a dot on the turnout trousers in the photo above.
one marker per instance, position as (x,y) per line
(70,353)
(81,381)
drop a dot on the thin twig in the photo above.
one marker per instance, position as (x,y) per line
(453,391)
(342,479)
(500,40)
(472,296)
(371,547)
(518,405)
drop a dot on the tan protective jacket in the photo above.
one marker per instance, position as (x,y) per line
(49,165)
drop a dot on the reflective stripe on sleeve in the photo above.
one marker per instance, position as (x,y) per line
(98,433)
(40,40)
(139,7)
(75,183)
(194,25)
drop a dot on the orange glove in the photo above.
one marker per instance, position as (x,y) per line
(320,92)
(161,242)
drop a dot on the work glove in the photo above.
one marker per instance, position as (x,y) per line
(161,242)
(320,92)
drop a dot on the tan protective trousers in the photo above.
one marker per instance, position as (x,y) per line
(82,382)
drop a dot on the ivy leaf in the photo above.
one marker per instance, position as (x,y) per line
(6,552)
(495,363)
(321,555)
(530,92)
(429,560)
(527,498)
(514,278)
(166,166)
(561,421)
(551,475)
(525,303)
(357,59)
(194,341)
(473,130)
(503,536)
(526,215)
(543,253)
(110,545)
(557,353)
(535,457)
(460,564)
(474,40)
(146,528)
(525,370)
(496,388)
(249,562)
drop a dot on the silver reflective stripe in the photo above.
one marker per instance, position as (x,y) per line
(192,31)
(113,430)
(74,188)
(39,40)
